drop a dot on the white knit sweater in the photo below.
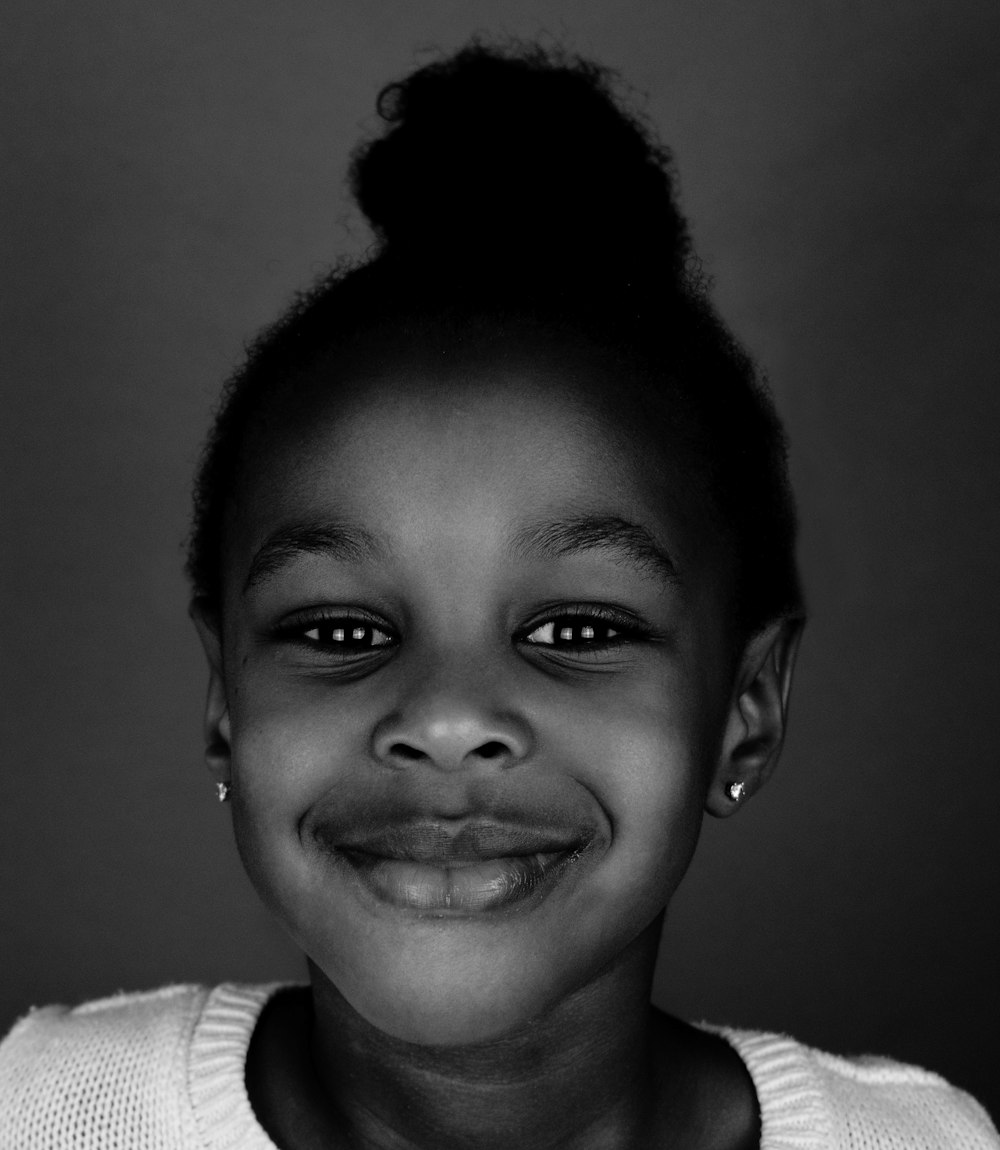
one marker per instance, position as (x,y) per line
(165,1070)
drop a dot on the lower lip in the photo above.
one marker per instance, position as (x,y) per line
(462,889)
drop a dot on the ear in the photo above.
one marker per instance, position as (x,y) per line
(216,724)
(758,713)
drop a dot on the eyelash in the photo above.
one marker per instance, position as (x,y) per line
(327,632)
(578,620)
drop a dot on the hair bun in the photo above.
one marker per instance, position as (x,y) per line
(524,162)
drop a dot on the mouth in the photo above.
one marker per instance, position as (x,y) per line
(485,867)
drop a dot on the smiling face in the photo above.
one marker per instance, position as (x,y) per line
(476,669)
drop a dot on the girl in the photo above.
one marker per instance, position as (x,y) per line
(493,564)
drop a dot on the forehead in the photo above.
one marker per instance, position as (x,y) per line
(426,451)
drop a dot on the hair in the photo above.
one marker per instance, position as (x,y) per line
(511,195)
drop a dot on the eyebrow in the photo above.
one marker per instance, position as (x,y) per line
(336,540)
(625,542)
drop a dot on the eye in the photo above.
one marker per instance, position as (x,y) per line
(338,634)
(573,632)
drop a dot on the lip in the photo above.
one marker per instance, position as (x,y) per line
(482,867)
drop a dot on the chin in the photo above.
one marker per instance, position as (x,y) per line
(450,1004)
(457,1022)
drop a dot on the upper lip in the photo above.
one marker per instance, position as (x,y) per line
(438,842)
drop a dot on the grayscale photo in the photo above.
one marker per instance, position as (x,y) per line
(499,577)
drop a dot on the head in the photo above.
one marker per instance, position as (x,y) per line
(493,561)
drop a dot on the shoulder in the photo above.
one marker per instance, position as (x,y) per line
(919,1107)
(104,1066)
(114,1068)
(810,1098)
(146,1026)
(124,1023)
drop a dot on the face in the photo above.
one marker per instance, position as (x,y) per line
(476,663)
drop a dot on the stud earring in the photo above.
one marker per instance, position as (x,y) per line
(222,790)
(736,791)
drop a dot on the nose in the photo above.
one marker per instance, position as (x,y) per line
(451,729)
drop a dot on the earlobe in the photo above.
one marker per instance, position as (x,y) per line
(758,714)
(216,723)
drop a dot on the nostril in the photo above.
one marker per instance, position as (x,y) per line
(448,749)
(405,751)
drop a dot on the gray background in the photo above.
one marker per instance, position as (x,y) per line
(173,170)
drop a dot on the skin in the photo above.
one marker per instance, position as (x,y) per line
(529,1026)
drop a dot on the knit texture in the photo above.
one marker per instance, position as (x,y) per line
(165,1071)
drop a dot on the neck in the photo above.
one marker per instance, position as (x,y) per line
(582,1076)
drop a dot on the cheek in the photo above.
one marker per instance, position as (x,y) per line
(289,748)
(648,760)
(283,745)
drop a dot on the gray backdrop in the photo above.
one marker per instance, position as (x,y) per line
(174,170)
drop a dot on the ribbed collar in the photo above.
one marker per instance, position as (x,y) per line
(217,1067)
(793,1113)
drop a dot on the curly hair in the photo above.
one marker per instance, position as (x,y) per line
(511,192)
